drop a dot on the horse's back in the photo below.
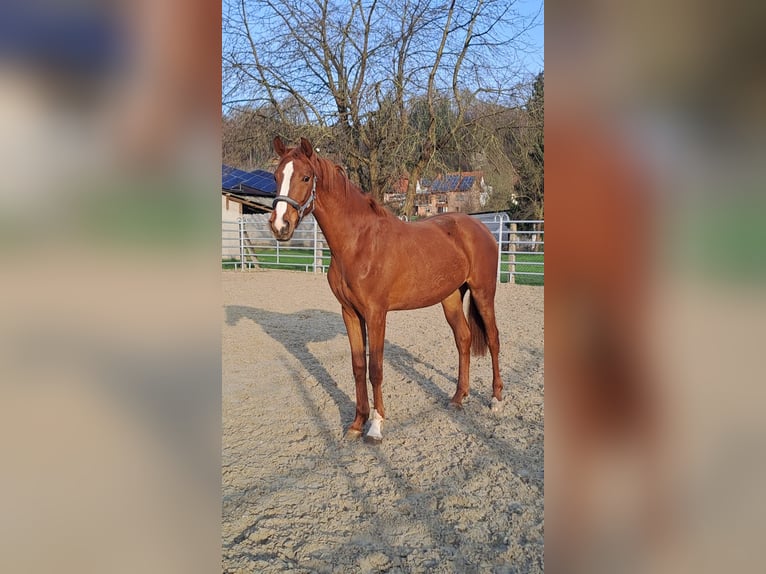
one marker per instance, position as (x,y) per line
(471,240)
(476,238)
(461,223)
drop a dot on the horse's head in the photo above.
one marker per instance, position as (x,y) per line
(296,187)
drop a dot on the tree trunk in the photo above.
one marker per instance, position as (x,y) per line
(375,190)
(409,202)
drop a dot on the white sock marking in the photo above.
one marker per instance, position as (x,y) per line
(287,174)
(375,421)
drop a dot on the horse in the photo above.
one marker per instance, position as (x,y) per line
(380,264)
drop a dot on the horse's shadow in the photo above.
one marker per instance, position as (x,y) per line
(296,331)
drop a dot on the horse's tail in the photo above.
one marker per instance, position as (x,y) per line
(478,329)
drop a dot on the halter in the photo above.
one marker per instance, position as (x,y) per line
(300,208)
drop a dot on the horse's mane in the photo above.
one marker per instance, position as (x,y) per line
(352,188)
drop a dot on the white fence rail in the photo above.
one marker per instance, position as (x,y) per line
(248,243)
(522,251)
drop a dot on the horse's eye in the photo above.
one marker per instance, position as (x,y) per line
(306,178)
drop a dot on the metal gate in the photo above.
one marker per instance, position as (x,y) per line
(248,243)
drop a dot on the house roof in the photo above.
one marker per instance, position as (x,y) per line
(400,185)
(261,204)
(455,181)
(258,182)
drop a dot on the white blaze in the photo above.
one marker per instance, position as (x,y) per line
(287,174)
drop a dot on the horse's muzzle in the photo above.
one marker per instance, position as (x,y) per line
(285,233)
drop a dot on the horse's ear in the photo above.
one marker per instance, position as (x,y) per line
(306,147)
(279,147)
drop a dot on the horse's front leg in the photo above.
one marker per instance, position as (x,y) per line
(355,328)
(376,330)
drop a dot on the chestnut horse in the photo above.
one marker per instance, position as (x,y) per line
(380,264)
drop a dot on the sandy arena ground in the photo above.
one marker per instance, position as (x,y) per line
(446,491)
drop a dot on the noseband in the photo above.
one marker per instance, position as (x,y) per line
(300,208)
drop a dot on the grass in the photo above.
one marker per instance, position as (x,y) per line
(521,259)
(302,258)
(291,258)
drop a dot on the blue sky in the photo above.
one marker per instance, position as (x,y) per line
(534,62)
(531,60)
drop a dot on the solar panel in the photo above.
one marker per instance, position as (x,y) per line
(233,179)
(439,184)
(447,183)
(261,181)
(229,182)
(248,182)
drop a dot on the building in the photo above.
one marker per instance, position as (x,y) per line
(463,192)
(453,192)
(245,192)
(394,198)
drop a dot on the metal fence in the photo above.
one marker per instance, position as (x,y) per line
(522,245)
(248,243)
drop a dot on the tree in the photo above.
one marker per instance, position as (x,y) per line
(529,155)
(356,71)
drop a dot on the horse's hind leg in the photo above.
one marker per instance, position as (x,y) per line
(453,311)
(484,299)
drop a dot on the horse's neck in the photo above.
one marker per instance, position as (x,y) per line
(340,210)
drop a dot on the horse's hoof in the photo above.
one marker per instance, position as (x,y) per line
(495,405)
(456,406)
(373,439)
(353,434)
